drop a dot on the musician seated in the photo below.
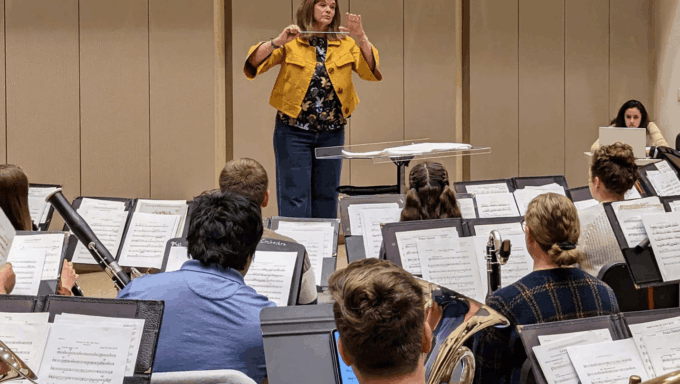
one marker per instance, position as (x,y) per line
(14,202)
(612,173)
(554,291)
(7,279)
(380,316)
(429,195)
(211,318)
(248,177)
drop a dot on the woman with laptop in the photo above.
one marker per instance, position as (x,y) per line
(633,114)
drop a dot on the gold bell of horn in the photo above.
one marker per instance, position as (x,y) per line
(669,378)
(12,367)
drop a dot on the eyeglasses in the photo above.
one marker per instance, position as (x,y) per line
(524,226)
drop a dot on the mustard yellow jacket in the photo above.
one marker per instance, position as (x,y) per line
(298,62)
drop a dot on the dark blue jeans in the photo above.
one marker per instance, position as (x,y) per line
(306,186)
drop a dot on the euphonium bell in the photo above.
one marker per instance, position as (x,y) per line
(12,367)
(669,378)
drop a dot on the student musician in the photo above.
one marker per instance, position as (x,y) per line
(554,291)
(14,202)
(314,96)
(612,173)
(211,318)
(380,315)
(633,114)
(248,177)
(429,196)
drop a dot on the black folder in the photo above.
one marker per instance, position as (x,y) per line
(346,201)
(21,303)
(389,233)
(177,242)
(579,194)
(354,248)
(44,226)
(536,181)
(274,245)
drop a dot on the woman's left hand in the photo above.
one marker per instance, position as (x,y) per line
(353,25)
(68,276)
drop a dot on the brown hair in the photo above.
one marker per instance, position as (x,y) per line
(246,177)
(379,312)
(305,19)
(615,166)
(14,196)
(554,224)
(430,196)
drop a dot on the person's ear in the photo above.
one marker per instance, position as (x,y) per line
(427,338)
(265,202)
(343,354)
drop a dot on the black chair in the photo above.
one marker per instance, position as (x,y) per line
(617,276)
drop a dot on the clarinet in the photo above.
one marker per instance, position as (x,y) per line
(497,254)
(86,236)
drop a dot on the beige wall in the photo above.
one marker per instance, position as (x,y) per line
(544,75)
(666,55)
(114,97)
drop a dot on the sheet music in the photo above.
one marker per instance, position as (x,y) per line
(147,235)
(303,225)
(165,207)
(485,189)
(519,263)
(496,205)
(271,275)
(93,354)
(505,229)
(524,196)
(370,226)
(107,225)
(600,334)
(24,318)
(665,184)
(554,359)
(51,243)
(629,215)
(7,234)
(664,167)
(664,234)
(37,206)
(26,339)
(658,327)
(101,204)
(583,204)
(610,362)
(632,193)
(674,205)
(408,249)
(452,263)
(27,266)
(318,242)
(177,257)
(354,213)
(135,325)
(467,208)
(664,352)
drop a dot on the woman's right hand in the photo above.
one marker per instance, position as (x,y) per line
(289,34)
(7,279)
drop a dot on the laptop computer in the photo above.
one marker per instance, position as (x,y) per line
(635,137)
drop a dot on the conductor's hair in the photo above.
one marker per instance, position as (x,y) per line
(379,312)
(224,229)
(14,196)
(305,18)
(620,119)
(246,177)
(429,196)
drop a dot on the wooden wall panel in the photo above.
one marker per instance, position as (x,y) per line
(182,96)
(586,82)
(380,115)
(430,81)
(3,122)
(494,87)
(541,87)
(629,72)
(43,127)
(114,73)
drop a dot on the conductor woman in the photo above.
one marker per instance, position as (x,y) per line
(314,96)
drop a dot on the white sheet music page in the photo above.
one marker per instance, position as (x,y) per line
(485,189)
(519,263)
(451,263)
(101,205)
(408,248)
(177,257)
(629,214)
(51,243)
(24,318)
(496,205)
(664,183)
(610,362)
(674,205)
(271,275)
(354,213)
(659,327)
(94,354)
(37,206)
(318,242)
(135,325)
(664,352)
(7,234)
(147,235)
(632,193)
(664,167)
(108,225)
(583,204)
(664,234)
(28,267)
(26,339)
(554,359)
(165,207)
(505,229)
(524,196)
(599,334)
(467,208)
(303,225)
(370,222)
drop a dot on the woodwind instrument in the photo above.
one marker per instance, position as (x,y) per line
(497,254)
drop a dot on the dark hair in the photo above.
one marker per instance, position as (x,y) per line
(430,196)
(246,177)
(615,166)
(305,18)
(379,311)
(224,229)
(620,120)
(14,196)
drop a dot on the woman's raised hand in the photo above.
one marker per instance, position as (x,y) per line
(289,34)
(353,25)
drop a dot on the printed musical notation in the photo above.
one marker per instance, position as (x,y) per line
(165,207)
(271,275)
(7,234)
(630,213)
(524,196)
(408,249)
(25,335)
(354,213)
(487,189)
(611,362)
(318,242)
(147,235)
(496,205)
(38,208)
(28,267)
(467,208)
(107,220)
(370,222)
(664,234)
(51,243)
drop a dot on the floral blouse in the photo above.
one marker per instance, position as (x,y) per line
(321,108)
